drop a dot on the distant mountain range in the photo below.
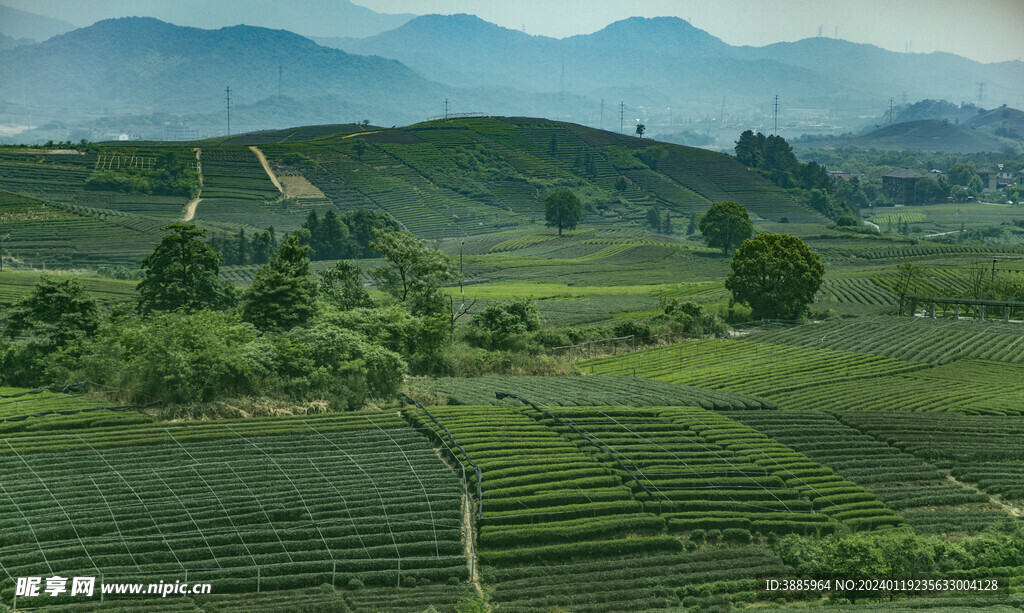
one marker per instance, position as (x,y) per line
(142,65)
(305,17)
(922,134)
(667,60)
(669,75)
(20,24)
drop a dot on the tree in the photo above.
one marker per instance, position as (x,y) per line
(412,272)
(282,294)
(360,147)
(621,184)
(961,173)
(342,286)
(56,312)
(654,218)
(181,273)
(907,276)
(726,225)
(640,129)
(562,209)
(776,275)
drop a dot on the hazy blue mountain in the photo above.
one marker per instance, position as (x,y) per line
(667,61)
(8,42)
(885,74)
(142,65)
(924,134)
(305,17)
(19,24)
(652,60)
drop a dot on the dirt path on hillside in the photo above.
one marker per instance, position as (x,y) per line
(193,204)
(1009,508)
(266,168)
(360,133)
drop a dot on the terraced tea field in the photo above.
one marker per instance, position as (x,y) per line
(761,368)
(578,511)
(913,487)
(913,339)
(256,505)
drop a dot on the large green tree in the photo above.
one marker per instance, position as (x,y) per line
(282,295)
(562,210)
(56,312)
(726,225)
(776,275)
(412,272)
(181,273)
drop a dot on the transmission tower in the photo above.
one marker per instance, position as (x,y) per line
(446,108)
(890,109)
(776,132)
(622,117)
(227,101)
(602,113)
(981,92)
(280,70)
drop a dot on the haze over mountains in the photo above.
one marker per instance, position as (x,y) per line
(666,73)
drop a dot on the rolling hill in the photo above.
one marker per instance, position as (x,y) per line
(142,65)
(922,134)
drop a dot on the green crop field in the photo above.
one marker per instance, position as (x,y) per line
(250,506)
(677,455)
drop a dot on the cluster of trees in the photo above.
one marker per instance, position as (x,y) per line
(192,337)
(349,235)
(658,222)
(773,158)
(897,554)
(240,249)
(776,275)
(171,176)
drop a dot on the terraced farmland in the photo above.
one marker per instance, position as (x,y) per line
(762,368)
(16,285)
(52,235)
(916,489)
(585,391)
(545,501)
(964,386)
(257,505)
(44,411)
(985,451)
(237,190)
(913,339)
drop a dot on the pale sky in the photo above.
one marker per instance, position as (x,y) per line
(982,30)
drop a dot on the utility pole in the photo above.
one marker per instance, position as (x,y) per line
(776,133)
(622,116)
(227,100)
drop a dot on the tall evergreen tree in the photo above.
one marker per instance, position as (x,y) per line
(282,294)
(181,273)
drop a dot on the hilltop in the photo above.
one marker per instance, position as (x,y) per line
(922,134)
(444,178)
